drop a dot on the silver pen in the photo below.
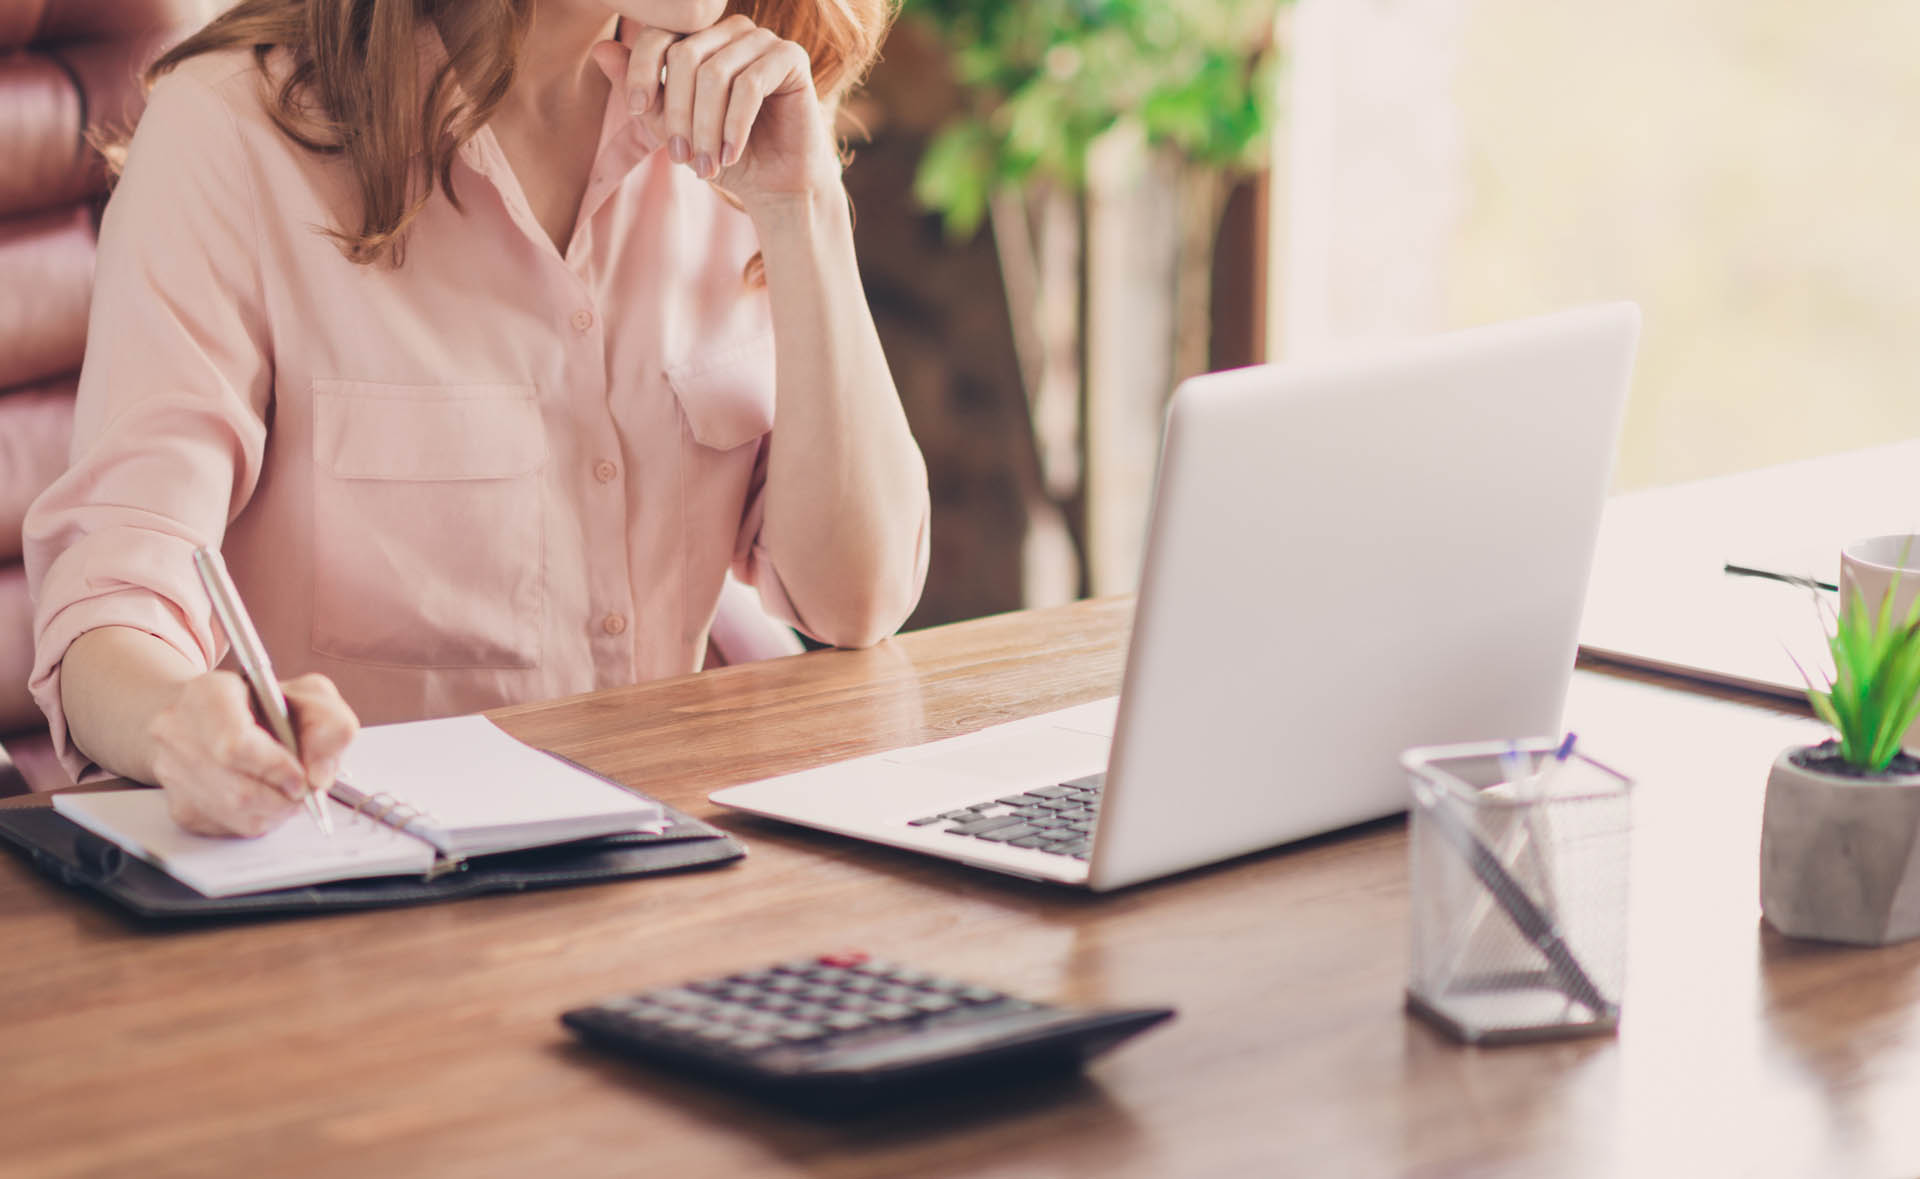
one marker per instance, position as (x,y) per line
(252,654)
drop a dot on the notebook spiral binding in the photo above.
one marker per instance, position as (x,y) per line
(388,811)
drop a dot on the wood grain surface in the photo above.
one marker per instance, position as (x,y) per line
(424,1041)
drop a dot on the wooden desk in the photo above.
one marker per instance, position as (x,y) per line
(424,1041)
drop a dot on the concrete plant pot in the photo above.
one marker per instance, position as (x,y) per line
(1840,849)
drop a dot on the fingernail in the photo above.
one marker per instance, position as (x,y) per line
(324,773)
(703,166)
(729,155)
(638,102)
(678,149)
(290,785)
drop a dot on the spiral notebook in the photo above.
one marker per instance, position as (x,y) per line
(414,799)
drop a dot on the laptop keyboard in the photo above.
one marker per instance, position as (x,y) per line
(1057,819)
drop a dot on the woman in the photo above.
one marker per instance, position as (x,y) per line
(460,326)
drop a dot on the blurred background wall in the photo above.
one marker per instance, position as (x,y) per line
(1744,168)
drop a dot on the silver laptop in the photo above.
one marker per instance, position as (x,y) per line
(1347,557)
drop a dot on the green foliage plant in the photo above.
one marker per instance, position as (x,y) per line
(1045,78)
(1875,691)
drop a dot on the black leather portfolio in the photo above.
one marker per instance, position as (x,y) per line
(80,859)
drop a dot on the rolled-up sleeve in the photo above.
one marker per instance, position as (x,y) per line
(754,563)
(169,426)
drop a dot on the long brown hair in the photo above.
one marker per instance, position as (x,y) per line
(353,86)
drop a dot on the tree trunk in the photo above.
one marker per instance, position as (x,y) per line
(1038,237)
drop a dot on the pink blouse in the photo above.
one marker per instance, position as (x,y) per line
(494,474)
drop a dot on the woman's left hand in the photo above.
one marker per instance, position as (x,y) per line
(737,106)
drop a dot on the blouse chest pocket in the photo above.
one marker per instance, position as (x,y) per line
(429,524)
(726,394)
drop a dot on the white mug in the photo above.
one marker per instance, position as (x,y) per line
(1870,566)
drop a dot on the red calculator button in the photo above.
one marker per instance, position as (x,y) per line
(844,958)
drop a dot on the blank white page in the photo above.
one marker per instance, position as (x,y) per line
(294,853)
(483,791)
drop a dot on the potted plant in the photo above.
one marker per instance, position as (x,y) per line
(1840,840)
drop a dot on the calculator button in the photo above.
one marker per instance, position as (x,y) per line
(754,1041)
(847,1021)
(808,1012)
(933,1004)
(844,958)
(892,1012)
(973,994)
(679,998)
(927,820)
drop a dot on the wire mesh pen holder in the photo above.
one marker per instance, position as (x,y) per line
(1518,879)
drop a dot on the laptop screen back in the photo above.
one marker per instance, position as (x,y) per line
(1349,557)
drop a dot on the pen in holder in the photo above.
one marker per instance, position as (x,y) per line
(1518,864)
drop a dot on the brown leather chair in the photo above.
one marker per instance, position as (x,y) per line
(69,71)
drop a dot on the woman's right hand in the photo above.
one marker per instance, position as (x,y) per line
(224,773)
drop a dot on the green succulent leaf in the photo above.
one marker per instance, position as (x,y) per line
(1875,692)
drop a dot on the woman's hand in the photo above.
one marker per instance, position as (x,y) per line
(737,106)
(226,775)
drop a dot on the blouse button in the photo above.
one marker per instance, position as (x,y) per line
(582,320)
(614,624)
(605,471)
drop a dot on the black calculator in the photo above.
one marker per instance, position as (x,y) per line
(844,1031)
